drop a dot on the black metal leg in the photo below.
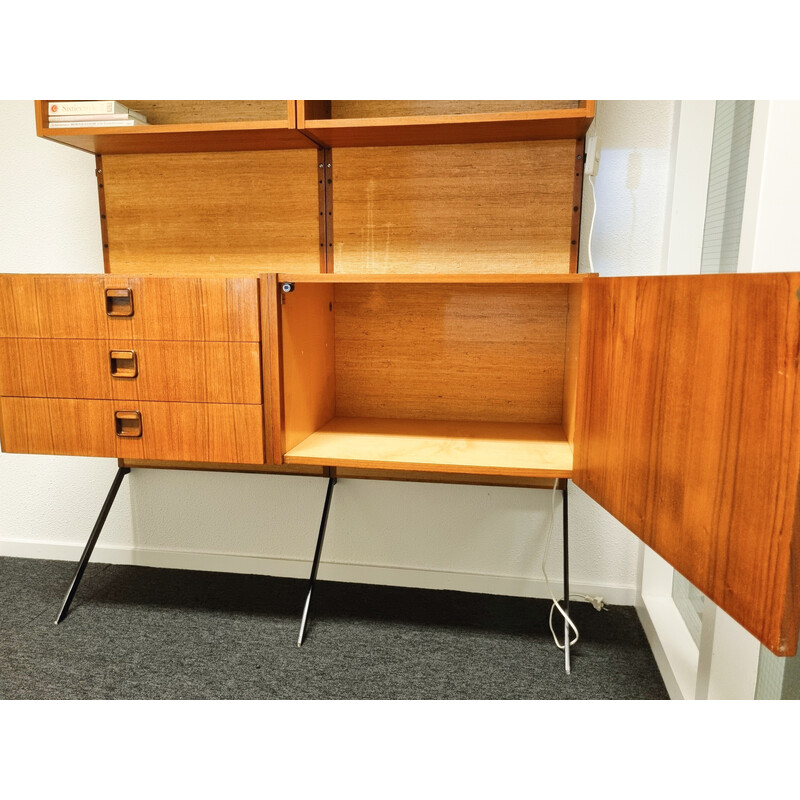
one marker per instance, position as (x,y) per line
(87,551)
(317,553)
(565,510)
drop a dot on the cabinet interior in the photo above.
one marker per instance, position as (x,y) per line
(453,376)
(367,109)
(192,112)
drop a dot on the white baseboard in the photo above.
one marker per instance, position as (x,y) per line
(296,568)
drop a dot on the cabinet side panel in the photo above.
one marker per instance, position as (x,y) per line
(271,368)
(571,363)
(688,432)
(307,345)
(242,212)
(500,208)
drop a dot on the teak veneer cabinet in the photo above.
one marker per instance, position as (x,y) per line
(390,289)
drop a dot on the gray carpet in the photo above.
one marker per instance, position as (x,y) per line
(142,633)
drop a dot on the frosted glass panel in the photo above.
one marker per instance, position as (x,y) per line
(730,153)
(689,601)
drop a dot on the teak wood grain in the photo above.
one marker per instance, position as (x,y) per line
(450,352)
(307,358)
(192,372)
(172,112)
(688,432)
(170,431)
(271,369)
(180,309)
(398,123)
(243,212)
(188,126)
(485,448)
(485,208)
(366,109)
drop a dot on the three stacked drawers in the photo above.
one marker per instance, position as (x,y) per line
(131,367)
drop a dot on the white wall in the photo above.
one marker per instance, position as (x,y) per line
(464,537)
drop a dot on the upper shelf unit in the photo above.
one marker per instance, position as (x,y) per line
(188,126)
(194,126)
(381,123)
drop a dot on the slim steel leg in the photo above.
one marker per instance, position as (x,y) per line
(566,576)
(87,551)
(317,553)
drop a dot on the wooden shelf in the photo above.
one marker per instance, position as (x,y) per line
(487,448)
(186,131)
(213,126)
(217,137)
(453,128)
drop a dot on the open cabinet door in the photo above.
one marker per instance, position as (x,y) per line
(688,432)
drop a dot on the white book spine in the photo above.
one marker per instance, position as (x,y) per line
(56,108)
(97,117)
(112,123)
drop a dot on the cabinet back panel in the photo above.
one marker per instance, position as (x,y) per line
(242,212)
(365,109)
(173,112)
(501,208)
(450,352)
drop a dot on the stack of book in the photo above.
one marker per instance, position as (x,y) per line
(92,114)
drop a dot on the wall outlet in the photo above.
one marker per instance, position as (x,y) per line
(592,157)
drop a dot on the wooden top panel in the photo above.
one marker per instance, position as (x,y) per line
(212,212)
(464,447)
(504,208)
(688,431)
(182,309)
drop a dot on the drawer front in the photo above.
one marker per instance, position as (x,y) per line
(224,433)
(125,369)
(109,306)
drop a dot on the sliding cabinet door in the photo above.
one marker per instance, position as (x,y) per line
(688,432)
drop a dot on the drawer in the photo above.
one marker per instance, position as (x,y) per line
(112,306)
(224,433)
(126,369)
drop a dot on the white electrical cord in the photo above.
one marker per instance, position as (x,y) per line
(556,603)
(591,225)
(597,602)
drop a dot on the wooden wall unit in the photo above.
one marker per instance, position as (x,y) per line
(394,295)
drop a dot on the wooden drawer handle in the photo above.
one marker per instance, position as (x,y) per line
(128,424)
(124,363)
(119,302)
